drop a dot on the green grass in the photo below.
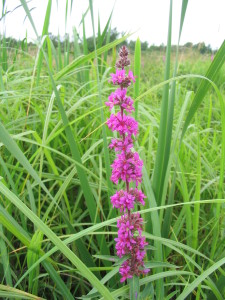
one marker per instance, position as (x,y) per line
(57,225)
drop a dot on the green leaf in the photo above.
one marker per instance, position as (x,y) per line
(134,288)
(8,222)
(7,292)
(156,227)
(122,291)
(32,257)
(5,259)
(204,86)
(190,288)
(158,168)
(44,32)
(81,174)
(137,73)
(170,116)
(85,272)
(105,144)
(83,59)
(24,4)
(18,154)
(59,282)
(96,227)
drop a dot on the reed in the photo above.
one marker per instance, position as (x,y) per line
(57,226)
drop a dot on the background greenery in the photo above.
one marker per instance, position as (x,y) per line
(57,225)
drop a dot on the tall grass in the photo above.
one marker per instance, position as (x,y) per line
(57,226)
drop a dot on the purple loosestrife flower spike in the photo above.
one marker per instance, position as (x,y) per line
(126,167)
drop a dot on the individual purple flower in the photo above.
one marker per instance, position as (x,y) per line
(127,168)
(128,104)
(139,196)
(126,238)
(119,77)
(125,271)
(121,144)
(119,98)
(131,76)
(123,124)
(123,200)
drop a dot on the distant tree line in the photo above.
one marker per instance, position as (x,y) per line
(114,34)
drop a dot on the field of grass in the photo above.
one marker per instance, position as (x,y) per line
(57,225)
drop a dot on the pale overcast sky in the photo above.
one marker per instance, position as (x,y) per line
(204,21)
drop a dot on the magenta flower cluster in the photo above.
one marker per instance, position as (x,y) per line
(126,167)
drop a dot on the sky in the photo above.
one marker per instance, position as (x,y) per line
(148,19)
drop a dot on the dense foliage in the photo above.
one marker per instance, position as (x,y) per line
(57,225)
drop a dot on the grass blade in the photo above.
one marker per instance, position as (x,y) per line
(83,59)
(158,168)
(32,257)
(190,288)
(105,144)
(76,155)
(56,241)
(137,73)
(8,222)
(44,32)
(16,152)
(156,228)
(134,288)
(197,197)
(5,259)
(204,86)
(7,292)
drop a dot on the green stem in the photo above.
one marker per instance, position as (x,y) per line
(134,288)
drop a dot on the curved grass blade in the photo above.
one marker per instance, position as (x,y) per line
(24,4)
(200,278)
(122,291)
(96,227)
(15,150)
(76,155)
(18,154)
(211,73)
(83,59)
(7,292)
(61,285)
(204,86)
(85,272)
(8,222)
